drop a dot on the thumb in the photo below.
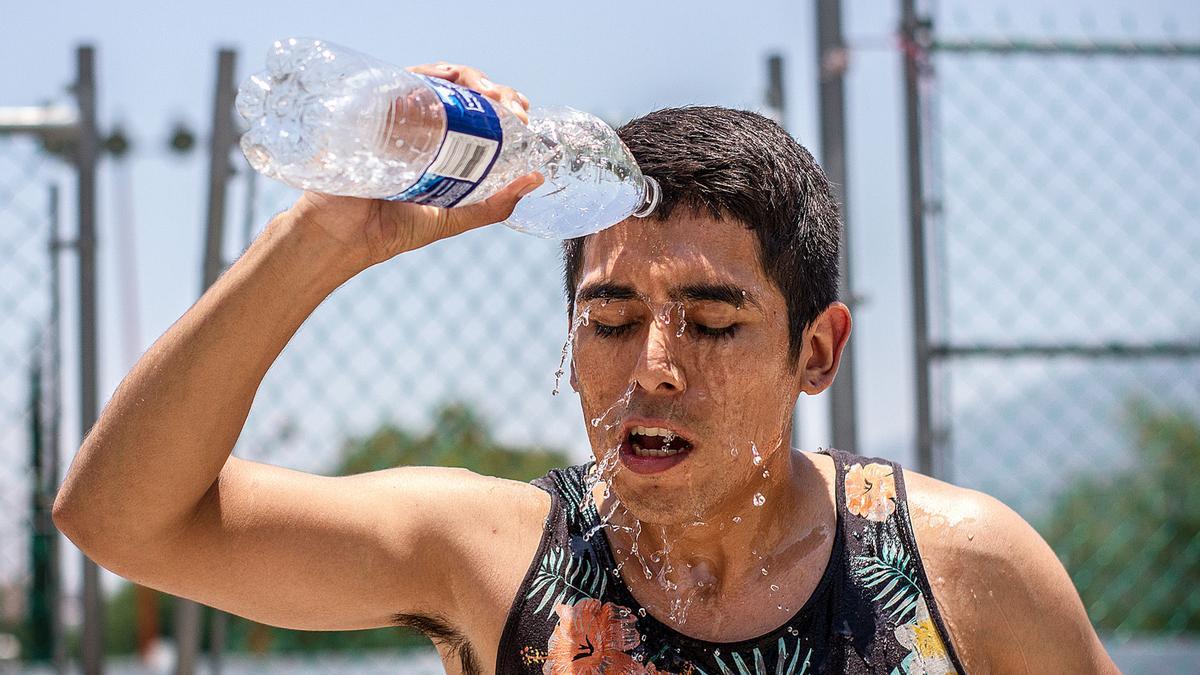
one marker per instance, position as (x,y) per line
(495,208)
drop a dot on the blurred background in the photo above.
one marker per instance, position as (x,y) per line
(1022,199)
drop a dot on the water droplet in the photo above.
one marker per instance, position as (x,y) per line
(733,452)
(716,652)
(641,611)
(737,519)
(970,536)
(774,588)
(793,631)
(759,500)
(779,607)
(764,571)
(766,473)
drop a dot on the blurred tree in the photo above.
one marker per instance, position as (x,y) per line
(1131,538)
(458,438)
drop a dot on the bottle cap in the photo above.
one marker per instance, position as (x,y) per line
(650,198)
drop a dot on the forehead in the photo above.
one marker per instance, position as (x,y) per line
(685,248)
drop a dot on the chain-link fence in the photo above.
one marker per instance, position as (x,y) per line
(1063,235)
(29,400)
(476,322)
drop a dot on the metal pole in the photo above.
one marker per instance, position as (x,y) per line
(776,97)
(53,419)
(777,110)
(86,152)
(224,137)
(913,33)
(39,594)
(248,220)
(832,61)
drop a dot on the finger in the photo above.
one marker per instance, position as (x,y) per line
(514,106)
(441,69)
(473,78)
(493,209)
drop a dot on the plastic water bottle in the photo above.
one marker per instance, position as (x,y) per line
(329,119)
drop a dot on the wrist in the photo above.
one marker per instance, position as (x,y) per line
(310,253)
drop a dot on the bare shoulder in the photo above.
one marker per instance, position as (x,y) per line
(1008,603)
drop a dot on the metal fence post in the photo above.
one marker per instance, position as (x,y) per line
(86,154)
(831,68)
(776,105)
(913,52)
(53,425)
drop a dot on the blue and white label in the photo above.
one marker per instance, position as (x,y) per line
(468,151)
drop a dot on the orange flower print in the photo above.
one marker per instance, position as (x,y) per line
(871,491)
(592,638)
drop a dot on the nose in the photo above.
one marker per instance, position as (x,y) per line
(657,370)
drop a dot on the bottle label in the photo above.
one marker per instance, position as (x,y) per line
(468,151)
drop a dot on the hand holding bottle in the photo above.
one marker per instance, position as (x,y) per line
(375,230)
(332,120)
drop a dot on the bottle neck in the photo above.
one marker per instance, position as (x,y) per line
(651,194)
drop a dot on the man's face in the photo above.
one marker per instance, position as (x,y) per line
(683,333)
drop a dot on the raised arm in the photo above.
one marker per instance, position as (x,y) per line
(154,495)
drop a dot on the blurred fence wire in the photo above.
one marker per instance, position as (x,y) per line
(1062,216)
(478,321)
(30,399)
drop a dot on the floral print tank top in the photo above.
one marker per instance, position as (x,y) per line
(871,612)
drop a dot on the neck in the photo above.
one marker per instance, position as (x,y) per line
(742,547)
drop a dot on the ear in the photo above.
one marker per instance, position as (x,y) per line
(824,341)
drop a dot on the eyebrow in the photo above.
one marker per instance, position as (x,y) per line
(720,292)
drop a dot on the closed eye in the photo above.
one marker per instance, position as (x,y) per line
(724,333)
(717,333)
(603,330)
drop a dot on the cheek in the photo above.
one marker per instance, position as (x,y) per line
(601,365)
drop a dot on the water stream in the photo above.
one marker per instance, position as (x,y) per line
(651,549)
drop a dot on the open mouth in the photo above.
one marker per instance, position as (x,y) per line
(648,449)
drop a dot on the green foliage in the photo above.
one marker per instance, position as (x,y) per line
(458,438)
(1131,539)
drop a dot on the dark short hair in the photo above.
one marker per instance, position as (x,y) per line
(740,166)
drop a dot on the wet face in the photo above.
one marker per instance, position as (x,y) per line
(681,364)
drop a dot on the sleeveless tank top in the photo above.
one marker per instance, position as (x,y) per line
(871,612)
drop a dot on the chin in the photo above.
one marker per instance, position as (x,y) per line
(658,505)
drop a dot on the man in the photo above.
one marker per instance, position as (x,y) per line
(699,542)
